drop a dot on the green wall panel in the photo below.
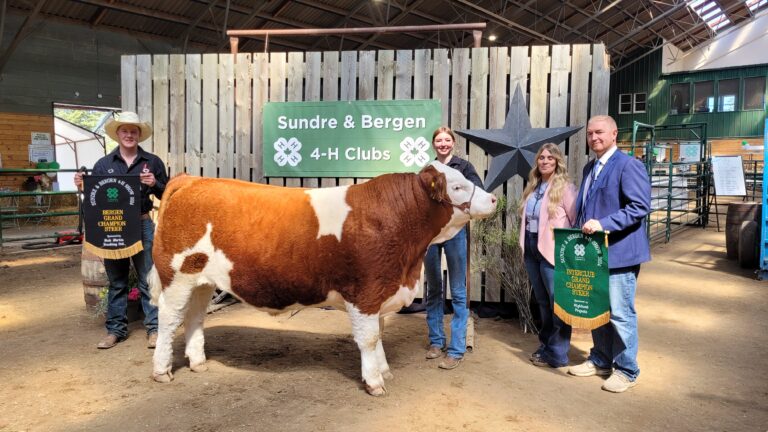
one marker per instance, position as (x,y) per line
(644,76)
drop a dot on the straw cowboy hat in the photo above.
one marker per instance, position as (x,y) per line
(127,118)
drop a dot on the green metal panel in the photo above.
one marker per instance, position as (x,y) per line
(644,76)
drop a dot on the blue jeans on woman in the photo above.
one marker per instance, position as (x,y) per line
(456,256)
(117,299)
(555,335)
(616,342)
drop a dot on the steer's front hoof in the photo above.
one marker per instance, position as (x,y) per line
(162,377)
(376,391)
(200,367)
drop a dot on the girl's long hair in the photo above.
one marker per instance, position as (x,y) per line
(557,181)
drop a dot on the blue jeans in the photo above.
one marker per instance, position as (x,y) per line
(616,343)
(456,256)
(554,335)
(117,272)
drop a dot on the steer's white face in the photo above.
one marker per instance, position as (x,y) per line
(460,190)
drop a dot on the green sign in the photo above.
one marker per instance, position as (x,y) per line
(348,139)
(581,278)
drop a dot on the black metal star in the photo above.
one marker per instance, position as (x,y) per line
(514,146)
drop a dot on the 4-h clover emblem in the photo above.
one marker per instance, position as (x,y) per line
(414,151)
(287,151)
(579,250)
(112,194)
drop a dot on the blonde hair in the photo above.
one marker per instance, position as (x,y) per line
(557,181)
(443,129)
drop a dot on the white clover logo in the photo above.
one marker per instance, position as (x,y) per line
(414,151)
(287,152)
(579,250)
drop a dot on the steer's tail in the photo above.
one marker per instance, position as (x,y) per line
(155,285)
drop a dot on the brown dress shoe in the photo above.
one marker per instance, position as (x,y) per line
(152,340)
(109,341)
(450,362)
(434,352)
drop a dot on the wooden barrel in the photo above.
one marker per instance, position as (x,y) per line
(749,244)
(94,278)
(738,212)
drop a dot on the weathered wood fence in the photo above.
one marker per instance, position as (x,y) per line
(206,109)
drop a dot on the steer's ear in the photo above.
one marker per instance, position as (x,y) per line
(434,182)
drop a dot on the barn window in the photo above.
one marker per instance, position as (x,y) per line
(680,98)
(727,95)
(754,93)
(625,103)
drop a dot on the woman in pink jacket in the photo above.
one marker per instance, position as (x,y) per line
(549,202)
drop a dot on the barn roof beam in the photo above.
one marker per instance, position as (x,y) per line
(640,42)
(693,29)
(548,18)
(679,5)
(99,15)
(184,37)
(25,30)
(399,17)
(591,17)
(504,21)
(735,10)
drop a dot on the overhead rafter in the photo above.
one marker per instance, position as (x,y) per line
(184,37)
(548,18)
(501,20)
(24,31)
(679,5)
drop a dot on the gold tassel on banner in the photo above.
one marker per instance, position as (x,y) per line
(125,252)
(580,322)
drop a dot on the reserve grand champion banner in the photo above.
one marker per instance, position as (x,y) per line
(112,215)
(581,278)
(348,138)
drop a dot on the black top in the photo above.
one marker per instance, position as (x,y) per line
(466,168)
(114,164)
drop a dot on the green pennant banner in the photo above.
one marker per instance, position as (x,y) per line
(581,278)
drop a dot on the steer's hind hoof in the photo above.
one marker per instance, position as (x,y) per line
(376,391)
(163,378)
(201,367)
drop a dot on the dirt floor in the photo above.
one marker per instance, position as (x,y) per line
(703,338)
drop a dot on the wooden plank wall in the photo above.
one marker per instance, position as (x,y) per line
(15,138)
(207,109)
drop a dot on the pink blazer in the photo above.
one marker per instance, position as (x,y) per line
(565,217)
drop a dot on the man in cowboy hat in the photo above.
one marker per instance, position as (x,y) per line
(130,159)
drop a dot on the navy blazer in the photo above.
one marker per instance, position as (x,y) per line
(620,200)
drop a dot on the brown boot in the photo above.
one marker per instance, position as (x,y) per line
(108,342)
(152,340)
(434,352)
(450,362)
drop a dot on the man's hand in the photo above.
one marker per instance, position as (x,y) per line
(147,178)
(591,226)
(79,180)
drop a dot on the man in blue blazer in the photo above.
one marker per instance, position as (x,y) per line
(615,197)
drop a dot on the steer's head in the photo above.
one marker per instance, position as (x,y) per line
(449,187)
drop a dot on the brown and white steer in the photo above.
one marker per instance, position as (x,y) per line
(358,248)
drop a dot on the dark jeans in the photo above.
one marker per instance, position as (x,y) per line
(117,272)
(555,335)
